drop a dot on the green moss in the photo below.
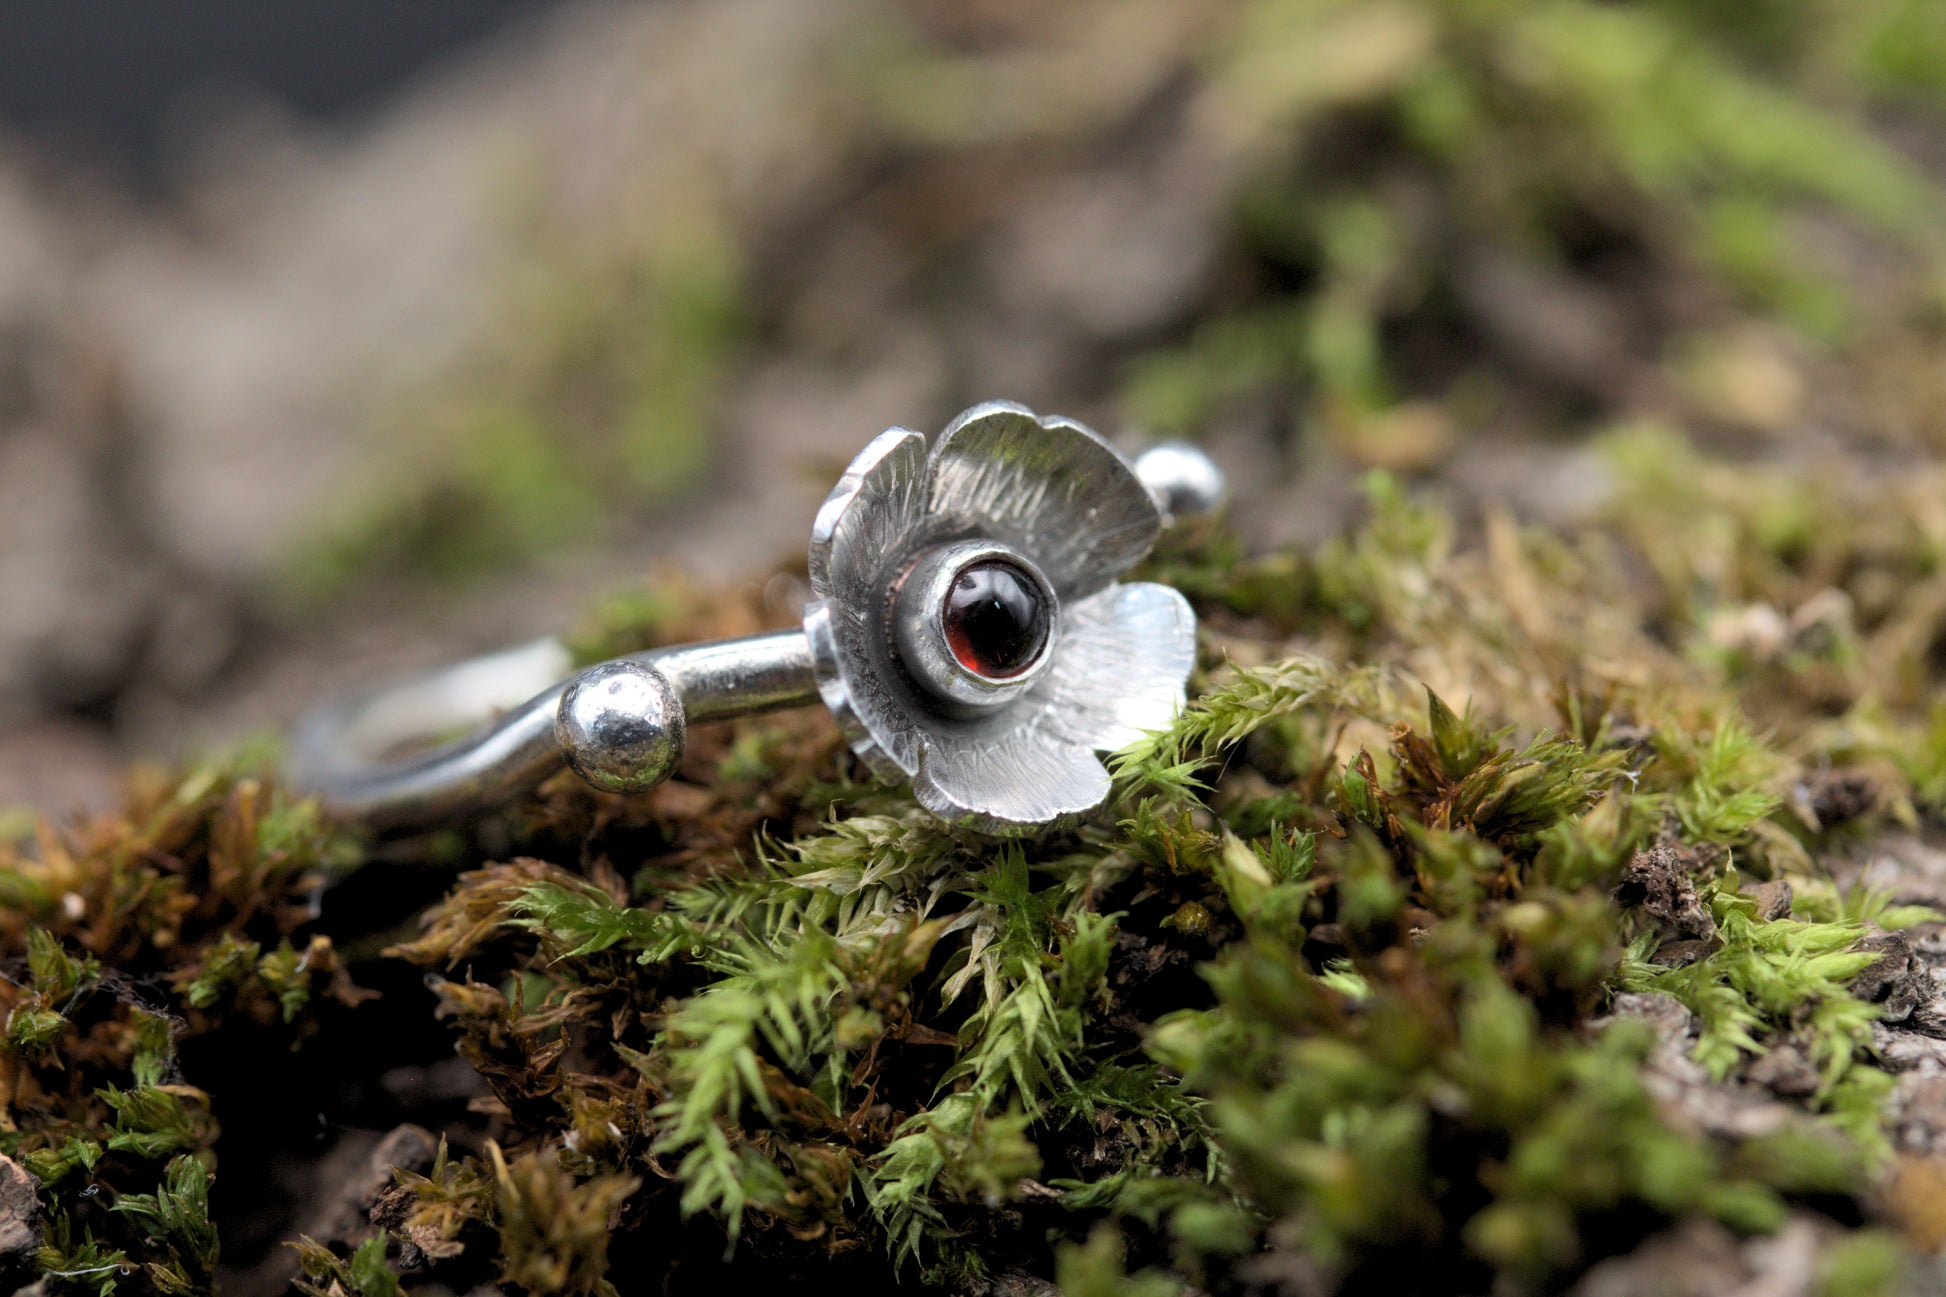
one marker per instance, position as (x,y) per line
(1519,126)
(1868,1263)
(1321,986)
(363,1273)
(1773,977)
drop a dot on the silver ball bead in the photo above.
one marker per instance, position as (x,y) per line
(621,726)
(1185,482)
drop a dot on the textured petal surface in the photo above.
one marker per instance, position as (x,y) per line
(881,727)
(877,506)
(1049,487)
(1125,656)
(1019,780)
(864,534)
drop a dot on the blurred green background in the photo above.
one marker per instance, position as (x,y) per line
(312,368)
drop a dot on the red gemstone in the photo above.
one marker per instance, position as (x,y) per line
(995,619)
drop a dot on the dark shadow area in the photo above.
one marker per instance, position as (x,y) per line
(99,79)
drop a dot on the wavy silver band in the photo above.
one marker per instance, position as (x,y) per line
(342,752)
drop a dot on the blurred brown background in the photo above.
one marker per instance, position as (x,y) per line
(342,337)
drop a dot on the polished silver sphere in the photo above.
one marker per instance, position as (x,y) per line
(620,726)
(1185,482)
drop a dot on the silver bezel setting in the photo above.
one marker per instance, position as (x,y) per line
(919,627)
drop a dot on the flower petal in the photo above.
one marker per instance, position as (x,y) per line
(880,727)
(1020,781)
(863,534)
(1049,487)
(868,518)
(1124,657)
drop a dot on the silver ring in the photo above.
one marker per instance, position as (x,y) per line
(966,628)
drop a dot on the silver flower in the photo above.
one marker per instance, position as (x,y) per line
(966,628)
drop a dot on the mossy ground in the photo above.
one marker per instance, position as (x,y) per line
(1518,902)
(1315,1003)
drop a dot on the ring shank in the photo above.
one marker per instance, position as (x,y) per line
(340,753)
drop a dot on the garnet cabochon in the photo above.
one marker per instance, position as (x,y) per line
(996,619)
